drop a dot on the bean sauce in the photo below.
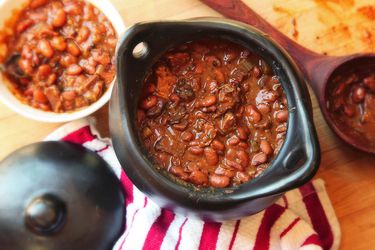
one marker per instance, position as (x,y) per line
(59,54)
(212,113)
(351,102)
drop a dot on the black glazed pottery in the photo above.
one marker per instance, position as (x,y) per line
(296,163)
(58,195)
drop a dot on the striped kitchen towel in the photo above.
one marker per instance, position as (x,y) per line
(302,219)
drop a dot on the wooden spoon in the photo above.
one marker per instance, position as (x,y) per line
(318,69)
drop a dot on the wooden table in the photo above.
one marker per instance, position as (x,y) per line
(334,27)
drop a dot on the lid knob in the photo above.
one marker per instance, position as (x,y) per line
(45,215)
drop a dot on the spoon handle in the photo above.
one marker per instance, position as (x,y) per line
(237,10)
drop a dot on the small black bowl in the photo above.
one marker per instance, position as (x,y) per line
(296,163)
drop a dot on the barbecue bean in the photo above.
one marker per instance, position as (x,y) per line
(234,140)
(59,18)
(211,156)
(45,48)
(39,96)
(44,71)
(198,178)
(69,95)
(266,147)
(209,101)
(221,170)
(359,94)
(73,49)
(149,102)
(252,113)
(258,159)
(282,116)
(74,70)
(217,145)
(242,133)
(196,150)
(59,43)
(219,181)
(83,34)
(187,136)
(179,171)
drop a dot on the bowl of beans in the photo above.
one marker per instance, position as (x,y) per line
(57,57)
(211,118)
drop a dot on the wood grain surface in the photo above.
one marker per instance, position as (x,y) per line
(334,27)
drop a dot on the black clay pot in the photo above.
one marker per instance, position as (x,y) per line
(296,163)
(59,196)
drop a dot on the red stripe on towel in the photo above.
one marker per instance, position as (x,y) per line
(312,240)
(234,235)
(79,136)
(317,215)
(270,216)
(132,222)
(180,234)
(209,236)
(128,187)
(291,225)
(158,230)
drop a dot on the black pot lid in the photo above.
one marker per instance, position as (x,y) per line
(58,195)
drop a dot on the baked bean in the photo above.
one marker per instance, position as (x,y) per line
(187,136)
(149,102)
(234,140)
(24,25)
(208,101)
(243,177)
(179,171)
(256,72)
(266,147)
(359,94)
(242,133)
(252,114)
(38,3)
(218,145)
(211,156)
(45,48)
(264,108)
(26,66)
(227,122)
(219,181)
(69,95)
(259,158)
(59,18)
(196,150)
(44,71)
(84,34)
(39,96)
(73,48)
(221,170)
(68,60)
(58,43)
(282,116)
(198,178)
(74,69)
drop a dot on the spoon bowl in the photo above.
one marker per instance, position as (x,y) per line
(319,70)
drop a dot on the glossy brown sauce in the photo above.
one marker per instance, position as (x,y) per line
(212,113)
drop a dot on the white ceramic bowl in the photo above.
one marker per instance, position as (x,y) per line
(6,8)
